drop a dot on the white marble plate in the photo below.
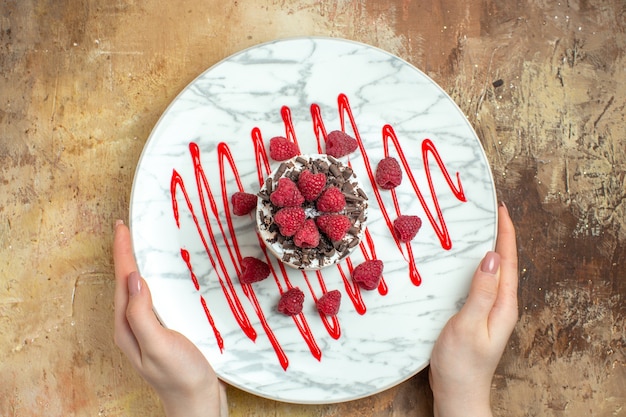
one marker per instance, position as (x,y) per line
(213,140)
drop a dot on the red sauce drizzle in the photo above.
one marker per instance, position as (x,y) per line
(184,253)
(218,336)
(330,323)
(211,214)
(457,189)
(227,287)
(290,131)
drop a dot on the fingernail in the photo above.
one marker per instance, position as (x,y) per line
(504,206)
(490,263)
(134,283)
(118,222)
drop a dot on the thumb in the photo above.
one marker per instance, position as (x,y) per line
(141,318)
(483,290)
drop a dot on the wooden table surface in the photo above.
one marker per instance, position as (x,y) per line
(83,82)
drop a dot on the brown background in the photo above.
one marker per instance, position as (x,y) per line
(83,82)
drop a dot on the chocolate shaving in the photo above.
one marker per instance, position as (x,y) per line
(280,171)
(322,166)
(352,197)
(347,188)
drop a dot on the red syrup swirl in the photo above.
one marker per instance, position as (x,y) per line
(226,284)
(184,253)
(280,275)
(427,146)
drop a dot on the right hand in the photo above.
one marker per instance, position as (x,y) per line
(469,348)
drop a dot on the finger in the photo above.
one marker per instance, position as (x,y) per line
(223,400)
(124,265)
(506,246)
(483,292)
(141,318)
(505,308)
(123,253)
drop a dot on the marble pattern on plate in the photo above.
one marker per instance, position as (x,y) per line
(393,338)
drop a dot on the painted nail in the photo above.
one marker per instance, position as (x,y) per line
(490,263)
(134,283)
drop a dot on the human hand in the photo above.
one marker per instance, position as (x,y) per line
(167,360)
(467,352)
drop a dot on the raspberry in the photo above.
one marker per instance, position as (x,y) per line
(329,303)
(243,203)
(282,148)
(291,301)
(289,220)
(253,270)
(406,227)
(388,173)
(334,226)
(286,194)
(368,274)
(339,144)
(307,236)
(331,200)
(311,185)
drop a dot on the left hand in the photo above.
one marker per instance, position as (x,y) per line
(167,360)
